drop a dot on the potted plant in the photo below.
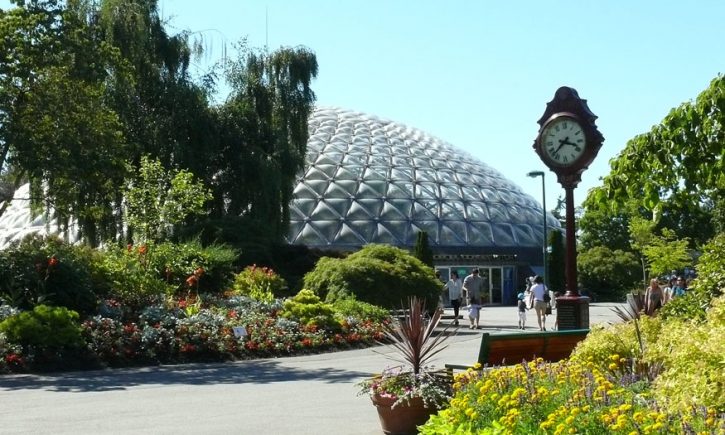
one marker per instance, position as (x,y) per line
(405,396)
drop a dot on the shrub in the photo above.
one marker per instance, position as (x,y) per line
(46,270)
(259,283)
(351,308)
(134,281)
(138,274)
(45,327)
(693,357)
(307,308)
(379,274)
(618,339)
(176,262)
(709,284)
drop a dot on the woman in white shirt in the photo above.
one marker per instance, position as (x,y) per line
(454,286)
(538,290)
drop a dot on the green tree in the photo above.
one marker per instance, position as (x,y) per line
(677,166)
(665,253)
(557,261)
(641,232)
(56,127)
(422,249)
(157,200)
(602,226)
(607,273)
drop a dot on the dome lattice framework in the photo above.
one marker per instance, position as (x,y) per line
(369,180)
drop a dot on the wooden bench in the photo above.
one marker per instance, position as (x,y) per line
(508,349)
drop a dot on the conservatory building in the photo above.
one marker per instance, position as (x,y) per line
(370,180)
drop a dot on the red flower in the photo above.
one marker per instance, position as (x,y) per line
(199,272)
(52,261)
(129,247)
(182,303)
(192,280)
(232,314)
(306,342)
(142,249)
(188,348)
(13,359)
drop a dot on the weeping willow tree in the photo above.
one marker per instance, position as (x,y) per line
(89,87)
(264,125)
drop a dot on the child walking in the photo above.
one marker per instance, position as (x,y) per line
(474,313)
(522,311)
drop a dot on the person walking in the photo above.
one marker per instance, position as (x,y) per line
(538,301)
(653,297)
(454,286)
(473,288)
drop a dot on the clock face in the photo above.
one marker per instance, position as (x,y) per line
(563,141)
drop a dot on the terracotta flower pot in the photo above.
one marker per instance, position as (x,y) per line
(404,418)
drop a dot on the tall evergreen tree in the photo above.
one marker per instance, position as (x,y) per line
(422,250)
(557,261)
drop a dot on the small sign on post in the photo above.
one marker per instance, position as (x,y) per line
(239,331)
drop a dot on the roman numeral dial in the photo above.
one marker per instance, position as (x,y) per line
(563,141)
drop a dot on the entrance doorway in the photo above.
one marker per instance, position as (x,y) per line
(498,282)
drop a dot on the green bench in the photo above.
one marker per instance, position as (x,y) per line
(512,348)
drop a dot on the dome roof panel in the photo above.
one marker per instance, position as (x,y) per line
(364,209)
(341,189)
(400,190)
(430,227)
(392,212)
(451,236)
(382,234)
(371,189)
(425,210)
(503,235)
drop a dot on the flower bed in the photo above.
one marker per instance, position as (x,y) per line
(180,330)
(567,397)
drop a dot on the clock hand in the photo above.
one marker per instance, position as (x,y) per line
(566,142)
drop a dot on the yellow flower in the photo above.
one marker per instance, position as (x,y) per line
(625,407)
(569,420)
(613,366)
(477,366)
(614,357)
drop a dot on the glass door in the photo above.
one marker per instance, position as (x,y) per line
(496,285)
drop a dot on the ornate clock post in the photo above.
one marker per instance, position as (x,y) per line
(568,141)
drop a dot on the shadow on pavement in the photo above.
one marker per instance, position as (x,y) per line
(246,372)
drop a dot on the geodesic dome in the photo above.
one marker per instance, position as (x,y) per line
(370,180)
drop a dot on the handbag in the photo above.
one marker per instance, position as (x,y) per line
(548,308)
(547,297)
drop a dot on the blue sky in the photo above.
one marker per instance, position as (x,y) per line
(478,74)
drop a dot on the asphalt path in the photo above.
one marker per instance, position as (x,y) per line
(312,394)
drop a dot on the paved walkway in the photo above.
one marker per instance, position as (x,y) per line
(312,394)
